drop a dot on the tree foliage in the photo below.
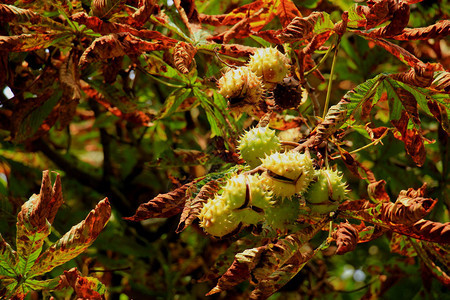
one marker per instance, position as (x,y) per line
(125,99)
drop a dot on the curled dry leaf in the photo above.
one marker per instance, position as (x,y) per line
(266,287)
(118,44)
(163,205)
(239,271)
(420,75)
(259,263)
(103,27)
(436,31)
(183,55)
(377,192)
(104,8)
(300,28)
(193,207)
(379,11)
(399,21)
(427,230)
(146,9)
(346,237)
(75,241)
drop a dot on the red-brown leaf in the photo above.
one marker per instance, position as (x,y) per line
(183,55)
(420,75)
(69,78)
(118,44)
(426,230)
(286,11)
(399,21)
(300,28)
(35,214)
(399,52)
(412,138)
(239,271)
(163,205)
(346,237)
(356,167)
(193,207)
(440,113)
(100,26)
(439,30)
(84,287)
(377,191)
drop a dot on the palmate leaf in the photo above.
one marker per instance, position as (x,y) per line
(30,42)
(75,241)
(17,268)
(8,259)
(34,222)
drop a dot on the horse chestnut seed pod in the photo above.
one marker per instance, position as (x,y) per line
(257,143)
(328,190)
(217,218)
(287,173)
(241,87)
(270,64)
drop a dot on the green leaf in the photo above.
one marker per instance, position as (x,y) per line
(173,101)
(323,23)
(34,120)
(8,259)
(37,285)
(362,92)
(354,19)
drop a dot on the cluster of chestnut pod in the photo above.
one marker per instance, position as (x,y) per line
(277,189)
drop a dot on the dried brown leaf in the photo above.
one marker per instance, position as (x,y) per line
(399,52)
(356,167)
(193,207)
(103,27)
(239,271)
(28,42)
(163,205)
(440,113)
(436,31)
(272,283)
(346,237)
(183,55)
(377,192)
(300,28)
(420,75)
(118,44)
(399,21)
(412,138)
(69,78)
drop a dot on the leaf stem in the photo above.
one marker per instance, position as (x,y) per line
(321,61)
(366,146)
(330,81)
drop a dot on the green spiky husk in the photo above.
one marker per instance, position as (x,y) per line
(241,83)
(217,218)
(287,173)
(257,143)
(270,64)
(327,191)
(283,213)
